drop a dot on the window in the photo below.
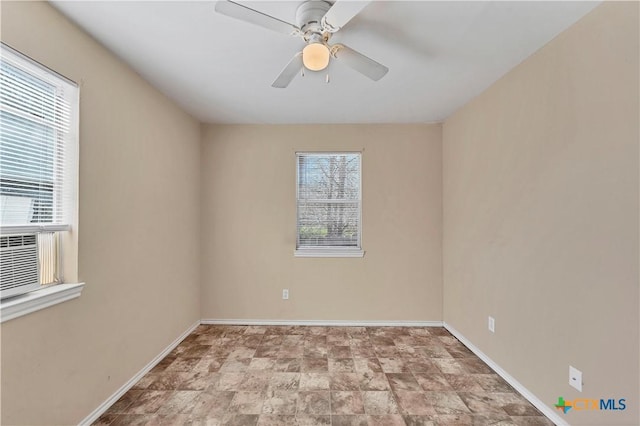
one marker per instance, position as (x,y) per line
(38,156)
(329,204)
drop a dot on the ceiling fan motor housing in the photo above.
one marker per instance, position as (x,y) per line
(309,16)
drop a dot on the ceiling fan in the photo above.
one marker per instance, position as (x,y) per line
(317,21)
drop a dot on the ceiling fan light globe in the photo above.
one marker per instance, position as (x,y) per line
(315,56)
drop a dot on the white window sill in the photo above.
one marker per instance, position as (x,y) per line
(328,252)
(27,303)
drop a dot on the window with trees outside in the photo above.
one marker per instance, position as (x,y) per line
(38,157)
(329,204)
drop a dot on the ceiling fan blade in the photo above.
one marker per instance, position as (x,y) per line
(342,12)
(243,13)
(364,65)
(289,72)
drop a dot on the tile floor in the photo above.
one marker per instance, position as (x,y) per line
(294,375)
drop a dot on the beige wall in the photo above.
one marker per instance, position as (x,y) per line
(541,216)
(138,241)
(249,219)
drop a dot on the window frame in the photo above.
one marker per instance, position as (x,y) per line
(50,294)
(41,71)
(328,251)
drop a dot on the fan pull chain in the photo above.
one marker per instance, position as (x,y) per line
(327,79)
(302,72)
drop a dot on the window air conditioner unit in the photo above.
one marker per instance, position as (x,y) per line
(19,266)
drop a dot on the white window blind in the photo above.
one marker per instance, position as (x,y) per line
(38,146)
(329,201)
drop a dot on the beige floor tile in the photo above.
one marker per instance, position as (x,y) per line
(303,376)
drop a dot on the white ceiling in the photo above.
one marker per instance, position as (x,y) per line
(440,55)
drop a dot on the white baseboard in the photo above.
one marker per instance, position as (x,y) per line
(539,404)
(124,388)
(321,323)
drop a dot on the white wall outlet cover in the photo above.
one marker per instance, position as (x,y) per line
(575,378)
(285,293)
(492,325)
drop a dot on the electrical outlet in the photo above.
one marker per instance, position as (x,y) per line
(492,325)
(575,378)
(285,294)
